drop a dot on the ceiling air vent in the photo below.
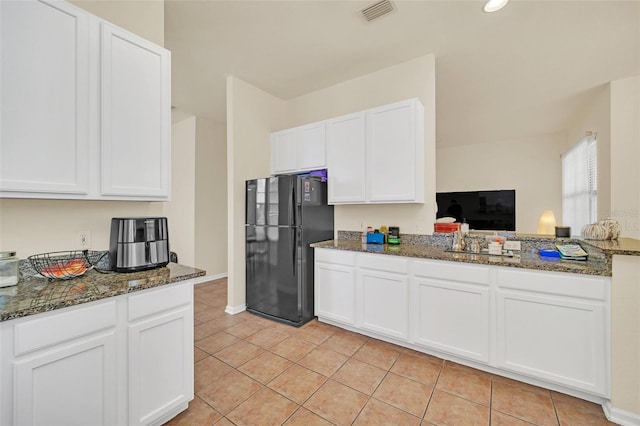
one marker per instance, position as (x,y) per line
(377,10)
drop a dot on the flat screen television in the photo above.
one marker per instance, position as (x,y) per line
(483,210)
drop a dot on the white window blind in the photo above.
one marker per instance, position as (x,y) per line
(580,185)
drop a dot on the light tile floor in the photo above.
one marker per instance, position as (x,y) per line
(253,371)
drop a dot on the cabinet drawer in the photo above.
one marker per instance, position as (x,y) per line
(60,327)
(563,284)
(338,257)
(452,271)
(156,300)
(382,262)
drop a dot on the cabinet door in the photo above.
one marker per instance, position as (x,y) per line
(68,384)
(45,98)
(558,339)
(311,146)
(160,365)
(346,159)
(335,292)
(452,317)
(395,153)
(136,121)
(384,299)
(284,152)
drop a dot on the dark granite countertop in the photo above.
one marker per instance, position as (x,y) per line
(36,295)
(527,259)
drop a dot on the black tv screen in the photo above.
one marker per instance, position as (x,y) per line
(483,210)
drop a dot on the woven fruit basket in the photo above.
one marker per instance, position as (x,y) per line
(64,265)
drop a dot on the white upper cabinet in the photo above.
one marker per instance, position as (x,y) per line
(136,80)
(77,124)
(377,156)
(284,152)
(44,98)
(346,159)
(395,155)
(312,146)
(298,149)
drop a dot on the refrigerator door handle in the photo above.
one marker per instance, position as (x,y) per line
(294,207)
(294,249)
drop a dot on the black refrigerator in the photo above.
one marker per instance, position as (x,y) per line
(284,214)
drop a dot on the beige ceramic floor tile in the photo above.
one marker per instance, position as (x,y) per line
(207,371)
(380,355)
(304,417)
(297,383)
(244,329)
(405,394)
(238,353)
(229,391)
(265,408)
(323,361)
(344,342)
(267,338)
(377,413)
(292,348)
(533,407)
(360,376)
(460,382)
(420,369)
(571,414)
(198,414)
(449,410)
(199,354)
(315,332)
(501,419)
(265,367)
(337,403)
(586,406)
(216,342)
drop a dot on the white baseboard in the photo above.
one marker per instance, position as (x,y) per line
(235,309)
(208,278)
(622,417)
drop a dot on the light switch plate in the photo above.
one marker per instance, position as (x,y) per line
(512,245)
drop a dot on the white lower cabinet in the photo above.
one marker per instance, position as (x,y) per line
(550,327)
(383,295)
(335,288)
(90,364)
(160,354)
(451,308)
(556,332)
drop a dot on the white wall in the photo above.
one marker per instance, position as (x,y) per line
(142,17)
(531,166)
(625,206)
(411,79)
(211,197)
(180,211)
(252,114)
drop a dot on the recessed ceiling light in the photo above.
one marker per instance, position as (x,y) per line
(495,5)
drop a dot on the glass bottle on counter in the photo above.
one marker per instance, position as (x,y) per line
(8,268)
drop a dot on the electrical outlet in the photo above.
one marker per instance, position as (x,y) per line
(83,239)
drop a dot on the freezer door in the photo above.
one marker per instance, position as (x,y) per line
(272,276)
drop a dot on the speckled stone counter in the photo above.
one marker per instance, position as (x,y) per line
(624,246)
(36,295)
(527,259)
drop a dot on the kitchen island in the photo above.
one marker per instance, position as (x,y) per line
(544,322)
(97,349)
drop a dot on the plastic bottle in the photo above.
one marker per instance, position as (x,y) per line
(383,230)
(464,227)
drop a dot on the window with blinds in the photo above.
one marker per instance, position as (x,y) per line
(580,185)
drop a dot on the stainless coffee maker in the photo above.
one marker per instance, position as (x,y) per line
(138,243)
